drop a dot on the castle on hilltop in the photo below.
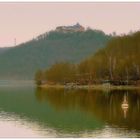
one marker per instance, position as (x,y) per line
(75,28)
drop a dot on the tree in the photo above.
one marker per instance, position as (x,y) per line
(39,77)
(61,73)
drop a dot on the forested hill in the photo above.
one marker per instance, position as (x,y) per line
(2,50)
(22,61)
(119,60)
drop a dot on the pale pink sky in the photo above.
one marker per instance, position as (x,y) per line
(24,21)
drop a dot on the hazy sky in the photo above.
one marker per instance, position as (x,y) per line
(24,21)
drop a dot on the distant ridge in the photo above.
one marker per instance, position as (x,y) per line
(3,49)
(21,62)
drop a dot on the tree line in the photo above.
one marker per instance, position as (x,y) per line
(118,61)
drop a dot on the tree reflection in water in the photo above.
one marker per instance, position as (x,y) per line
(106,106)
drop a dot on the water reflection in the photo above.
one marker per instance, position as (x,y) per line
(125,105)
(13,125)
(69,113)
(22,101)
(106,106)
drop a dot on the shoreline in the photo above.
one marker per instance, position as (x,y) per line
(92,87)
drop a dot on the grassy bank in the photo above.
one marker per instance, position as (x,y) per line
(94,87)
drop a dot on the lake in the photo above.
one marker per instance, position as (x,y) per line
(27,111)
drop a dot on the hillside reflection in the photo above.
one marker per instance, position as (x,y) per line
(106,106)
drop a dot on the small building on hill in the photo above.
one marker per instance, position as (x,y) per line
(75,28)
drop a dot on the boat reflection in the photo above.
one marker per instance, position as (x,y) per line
(125,105)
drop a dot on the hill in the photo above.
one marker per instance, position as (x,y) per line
(118,62)
(3,49)
(22,61)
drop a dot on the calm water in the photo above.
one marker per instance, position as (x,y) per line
(26,111)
